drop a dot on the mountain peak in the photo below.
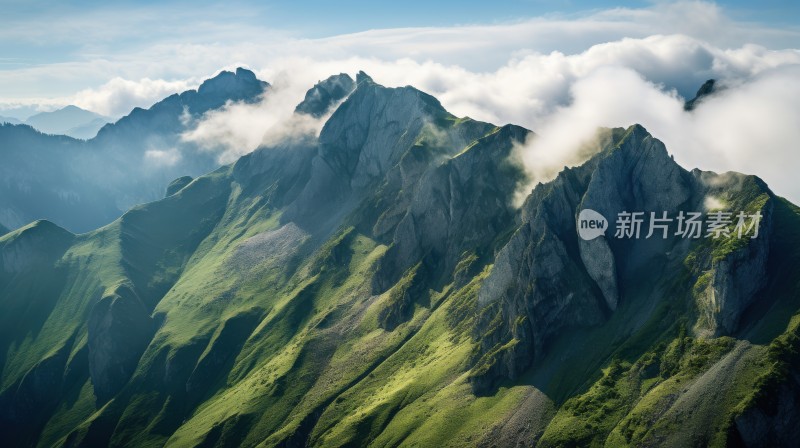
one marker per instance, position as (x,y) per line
(164,117)
(361,76)
(240,82)
(324,94)
(67,119)
(245,73)
(705,90)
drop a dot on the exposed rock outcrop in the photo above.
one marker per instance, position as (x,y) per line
(777,423)
(222,349)
(325,94)
(399,305)
(38,242)
(461,206)
(705,90)
(167,116)
(119,329)
(734,281)
(547,279)
(364,138)
(733,269)
(23,406)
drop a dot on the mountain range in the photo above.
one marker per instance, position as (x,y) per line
(71,121)
(82,185)
(378,286)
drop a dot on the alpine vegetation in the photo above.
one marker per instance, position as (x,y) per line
(392,275)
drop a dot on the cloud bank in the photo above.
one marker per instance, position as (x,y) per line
(749,126)
(239,128)
(561,77)
(173,43)
(114,98)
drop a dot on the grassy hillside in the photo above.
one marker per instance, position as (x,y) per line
(209,318)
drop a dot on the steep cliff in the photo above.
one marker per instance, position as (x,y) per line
(377,286)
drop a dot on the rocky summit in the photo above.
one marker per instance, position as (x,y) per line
(378,286)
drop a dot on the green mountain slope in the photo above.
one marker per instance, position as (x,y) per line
(378,287)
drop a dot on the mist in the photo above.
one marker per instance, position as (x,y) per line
(748,125)
(239,128)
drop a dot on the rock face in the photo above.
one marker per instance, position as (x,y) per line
(119,329)
(368,133)
(331,290)
(706,89)
(362,140)
(220,351)
(38,242)
(459,207)
(638,176)
(734,273)
(166,115)
(537,287)
(735,279)
(547,279)
(23,406)
(325,94)
(776,425)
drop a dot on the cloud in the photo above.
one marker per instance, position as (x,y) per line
(118,96)
(564,98)
(713,203)
(559,76)
(239,128)
(750,127)
(162,158)
(173,43)
(114,98)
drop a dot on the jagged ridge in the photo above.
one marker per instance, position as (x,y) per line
(377,286)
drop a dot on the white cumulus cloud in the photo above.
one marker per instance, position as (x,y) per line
(559,76)
(239,128)
(118,96)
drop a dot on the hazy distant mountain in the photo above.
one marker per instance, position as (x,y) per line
(9,120)
(82,185)
(51,177)
(377,287)
(71,120)
(88,130)
(708,88)
(21,112)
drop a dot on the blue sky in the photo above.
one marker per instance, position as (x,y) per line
(51,50)
(319,18)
